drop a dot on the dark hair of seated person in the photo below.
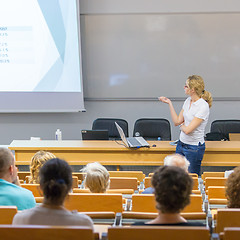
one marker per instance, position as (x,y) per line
(173,187)
(233,189)
(55,181)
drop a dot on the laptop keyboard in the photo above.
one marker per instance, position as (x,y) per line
(142,141)
(134,141)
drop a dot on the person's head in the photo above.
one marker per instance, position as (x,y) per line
(97,177)
(172,188)
(55,181)
(196,83)
(37,161)
(177,160)
(8,170)
(233,189)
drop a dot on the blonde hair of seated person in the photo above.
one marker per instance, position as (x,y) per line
(37,162)
(97,177)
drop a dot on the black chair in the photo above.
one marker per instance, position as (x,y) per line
(152,129)
(224,127)
(109,124)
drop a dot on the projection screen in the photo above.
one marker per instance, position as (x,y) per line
(40,56)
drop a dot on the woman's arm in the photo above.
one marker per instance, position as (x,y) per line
(177,119)
(192,125)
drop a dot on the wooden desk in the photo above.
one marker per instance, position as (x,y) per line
(111,153)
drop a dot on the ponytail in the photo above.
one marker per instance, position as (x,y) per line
(207,96)
(196,82)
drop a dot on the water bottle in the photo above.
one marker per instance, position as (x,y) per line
(58,135)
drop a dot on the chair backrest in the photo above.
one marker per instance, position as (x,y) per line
(146,203)
(231,233)
(109,124)
(216,192)
(214,181)
(160,232)
(7,213)
(34,188)
(212,174)
(193,174)
(147,182)
(228,217)
(226,126)
(28,232)
(143,203)
(195,183)
(195,204)
(234,136)
(39,199)
(123,183)
(152,128)
(136,174)
(81,190)
(94,202)
(80,175)
(74,182)
(121,191)
(23,174)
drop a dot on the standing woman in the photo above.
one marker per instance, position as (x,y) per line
(192,119)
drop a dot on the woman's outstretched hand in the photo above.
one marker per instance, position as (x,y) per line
(164,100)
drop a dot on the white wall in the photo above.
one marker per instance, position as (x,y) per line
(23,126)
(157,6)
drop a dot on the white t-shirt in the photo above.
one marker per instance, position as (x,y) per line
(199,109)
(46,216)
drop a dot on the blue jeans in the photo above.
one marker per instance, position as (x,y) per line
(194,155)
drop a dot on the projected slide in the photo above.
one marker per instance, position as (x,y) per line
(39,46)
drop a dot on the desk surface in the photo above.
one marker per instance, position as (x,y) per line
(73,144)
(83,145)
(112,153)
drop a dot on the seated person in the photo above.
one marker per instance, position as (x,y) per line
(36,163)
(172,188)
(10,193)
(172,160)
(55,182)
(233,189)
(97,178)
(227,173)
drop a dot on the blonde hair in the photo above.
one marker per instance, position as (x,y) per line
(37,161)
(196,82)
(97,177)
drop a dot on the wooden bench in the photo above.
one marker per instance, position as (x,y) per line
(160,232)
(6,214)
(94,202)
(34,232)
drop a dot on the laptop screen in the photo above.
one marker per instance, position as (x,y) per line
(122,135)
(95,135)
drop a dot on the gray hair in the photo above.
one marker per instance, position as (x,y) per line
(97,177)
(177,160)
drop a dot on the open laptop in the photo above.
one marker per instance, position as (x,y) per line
(131,142)
(95,135)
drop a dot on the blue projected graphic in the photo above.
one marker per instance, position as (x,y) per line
(39,46)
